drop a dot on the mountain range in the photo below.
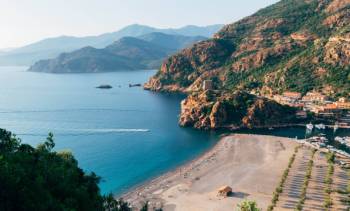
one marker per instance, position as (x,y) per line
(293,45)
(128,53)
(52,47)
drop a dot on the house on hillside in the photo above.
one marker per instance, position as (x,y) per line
(289,98)
(342,103)
(207,85)
(315,97)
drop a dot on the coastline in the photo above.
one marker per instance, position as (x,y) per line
(166,174)
(124,194)
(169,190)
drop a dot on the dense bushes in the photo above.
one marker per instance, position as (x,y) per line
(41,179)
(248,206)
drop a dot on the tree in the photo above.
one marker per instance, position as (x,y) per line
(41,179)
(144,207)
(248,206)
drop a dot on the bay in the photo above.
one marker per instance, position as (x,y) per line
(125,135)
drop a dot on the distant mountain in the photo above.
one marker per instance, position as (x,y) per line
(52,47)
(191,30)
(128,53)
(171,42)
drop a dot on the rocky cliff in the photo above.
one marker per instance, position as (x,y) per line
(296,45)
(213,110)
(293,45)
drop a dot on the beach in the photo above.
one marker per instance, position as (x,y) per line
(251,165)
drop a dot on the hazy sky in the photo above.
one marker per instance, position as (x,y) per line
(26,21)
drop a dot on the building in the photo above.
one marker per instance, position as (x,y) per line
(342,103)
(225,191)
(207,85)
(292,95)
(301,114)
(342,100)
(288,98)
(315,97)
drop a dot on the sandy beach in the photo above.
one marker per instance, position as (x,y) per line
(251,164)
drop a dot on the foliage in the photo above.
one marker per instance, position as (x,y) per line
(41,179)
(110,204)
(260,54)
(328,180)
(144,207)
(248,206)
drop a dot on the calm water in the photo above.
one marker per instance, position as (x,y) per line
(125,135)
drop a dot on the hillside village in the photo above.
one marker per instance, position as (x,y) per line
(324,108)
(336,113)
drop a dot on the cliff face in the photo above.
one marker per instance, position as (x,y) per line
(212,110)
(282,47)
(293,45)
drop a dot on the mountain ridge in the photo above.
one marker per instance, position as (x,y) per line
(292,45)
(52,47)
(128,53)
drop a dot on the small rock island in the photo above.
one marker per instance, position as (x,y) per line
(104,86)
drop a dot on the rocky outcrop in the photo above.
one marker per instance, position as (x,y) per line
(287,41)
(337,50)
(213,110)
(297,45)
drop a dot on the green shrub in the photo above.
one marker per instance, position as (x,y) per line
(248,206)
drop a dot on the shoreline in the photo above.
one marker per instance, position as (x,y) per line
(181,180)
(168,173)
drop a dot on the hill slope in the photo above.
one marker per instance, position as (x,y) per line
(128,53)
(52,47)
(293,45)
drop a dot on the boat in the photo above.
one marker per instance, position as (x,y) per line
(336,127)
(320,126)
(134,85)
(309,126)
(343,140)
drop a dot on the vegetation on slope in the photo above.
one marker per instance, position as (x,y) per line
(295,45)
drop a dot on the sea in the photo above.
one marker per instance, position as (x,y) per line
(126,135)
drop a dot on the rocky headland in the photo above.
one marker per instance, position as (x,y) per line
(293,45)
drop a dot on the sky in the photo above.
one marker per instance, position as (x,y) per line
(26,21)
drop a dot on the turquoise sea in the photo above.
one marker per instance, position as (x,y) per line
(125,135)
